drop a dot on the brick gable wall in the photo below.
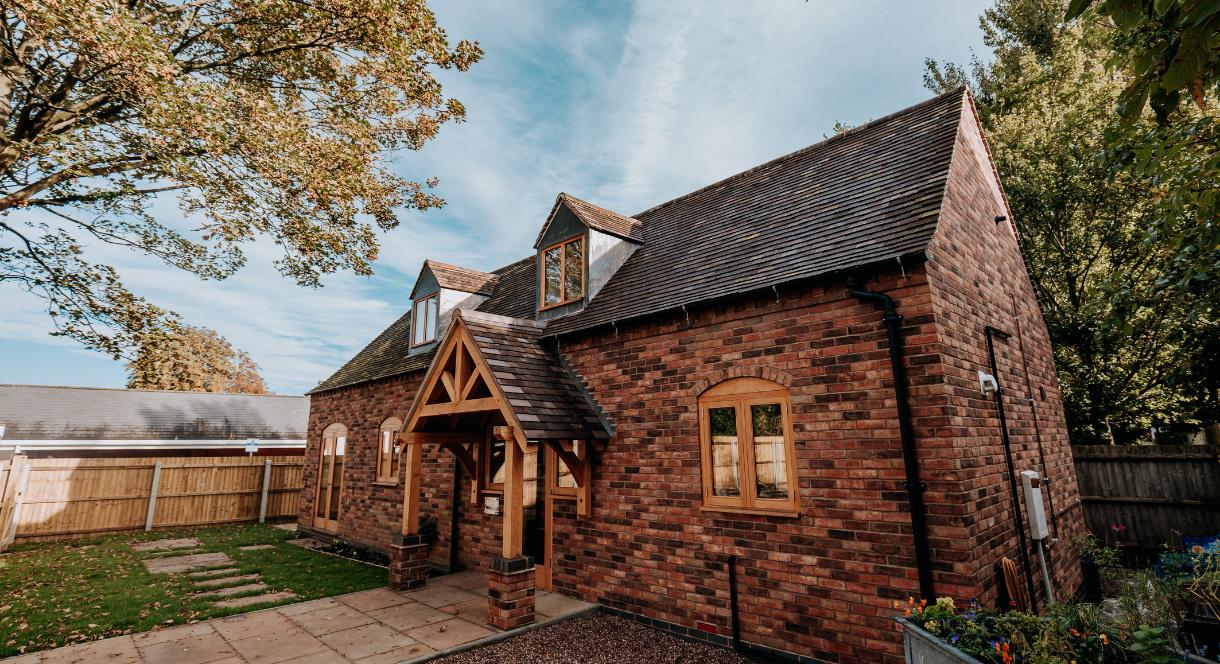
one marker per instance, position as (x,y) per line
(978,278)
(822,584)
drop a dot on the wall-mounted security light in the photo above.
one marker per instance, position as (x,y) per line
(987,383)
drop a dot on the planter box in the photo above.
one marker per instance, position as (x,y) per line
(922,647)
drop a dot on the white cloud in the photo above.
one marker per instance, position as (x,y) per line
(627,105)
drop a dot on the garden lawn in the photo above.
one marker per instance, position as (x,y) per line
(65,592)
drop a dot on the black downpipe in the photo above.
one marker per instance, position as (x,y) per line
(910,460)
(1012,470)
(453,514)
(733,603)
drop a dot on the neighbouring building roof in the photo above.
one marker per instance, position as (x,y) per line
(461,278)
(47,413)
(546,398)
(597,218)
(868,194)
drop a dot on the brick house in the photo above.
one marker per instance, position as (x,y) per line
(764,394)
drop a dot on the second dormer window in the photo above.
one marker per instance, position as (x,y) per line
(563,273)
(424,319)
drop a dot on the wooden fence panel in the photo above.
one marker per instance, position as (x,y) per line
(68,497)
(1158,492)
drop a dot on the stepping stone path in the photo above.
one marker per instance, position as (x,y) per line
(178,556)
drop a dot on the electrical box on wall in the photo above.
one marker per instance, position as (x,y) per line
(491,505)
(1032,484)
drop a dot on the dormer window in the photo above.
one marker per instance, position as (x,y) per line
(563,273)
(424,317)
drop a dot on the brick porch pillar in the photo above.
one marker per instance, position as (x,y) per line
(510,592)
(408,562)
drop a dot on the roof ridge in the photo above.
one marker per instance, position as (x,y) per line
(808,148)
(455,266)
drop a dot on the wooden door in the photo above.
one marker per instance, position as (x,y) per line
(326,504)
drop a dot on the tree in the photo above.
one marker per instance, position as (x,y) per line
(1123,337)
(265,119)
(192,359)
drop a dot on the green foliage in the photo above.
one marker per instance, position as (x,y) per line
(60,593)
(1123,274)
(266,119)
(192,359)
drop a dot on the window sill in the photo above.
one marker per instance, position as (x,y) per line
(385,482)
(786,514)
(545,307)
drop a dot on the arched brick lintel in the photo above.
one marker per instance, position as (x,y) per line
(749,371)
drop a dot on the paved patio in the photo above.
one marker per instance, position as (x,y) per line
(379,626)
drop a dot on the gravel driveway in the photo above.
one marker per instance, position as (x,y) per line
(598,639)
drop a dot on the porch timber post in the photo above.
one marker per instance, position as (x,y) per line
(412,459)
(409,551)
(514,493)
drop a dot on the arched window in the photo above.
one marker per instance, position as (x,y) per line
(388,450)
(746,445)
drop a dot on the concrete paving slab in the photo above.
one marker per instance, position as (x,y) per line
(409,616)
(464,580)
(331,619)
(246,625)
(253,599)
(120,650)
(327,657)
(199,649)
(234,590)
(553,605)
(474,611)
(278,647)
(32,658)
(209,573)
(306,607)
(190,563)
(397,655)
(220,581)
(439,595)
(448,633)
(371,600)
(171,634)
(366,641)
(166,544)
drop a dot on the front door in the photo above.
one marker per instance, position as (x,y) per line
(537,515)
(330,480)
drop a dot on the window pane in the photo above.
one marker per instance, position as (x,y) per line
(417,322)
(563,478)
(551,275)
(336,478)
(495,462)
(723,429)
(574,270)
(770,458)
(431,317)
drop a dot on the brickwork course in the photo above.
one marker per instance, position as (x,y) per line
(822,584)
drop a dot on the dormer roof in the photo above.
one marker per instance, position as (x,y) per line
(597,218)
(463,279)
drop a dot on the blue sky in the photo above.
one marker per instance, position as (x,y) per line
(623,104)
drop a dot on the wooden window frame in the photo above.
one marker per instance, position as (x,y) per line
(393,466)
(552,473)
(740,394)
(485,472)
(563,272)
(415,319)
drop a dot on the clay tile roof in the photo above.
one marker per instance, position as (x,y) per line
(387,354)
(462,279)
(548,399)
(869,194)
(597,218)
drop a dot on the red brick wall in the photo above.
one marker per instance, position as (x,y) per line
(978,278)
(821,584)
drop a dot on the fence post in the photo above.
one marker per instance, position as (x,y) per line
(262,505)
(14,494)
(152,497)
